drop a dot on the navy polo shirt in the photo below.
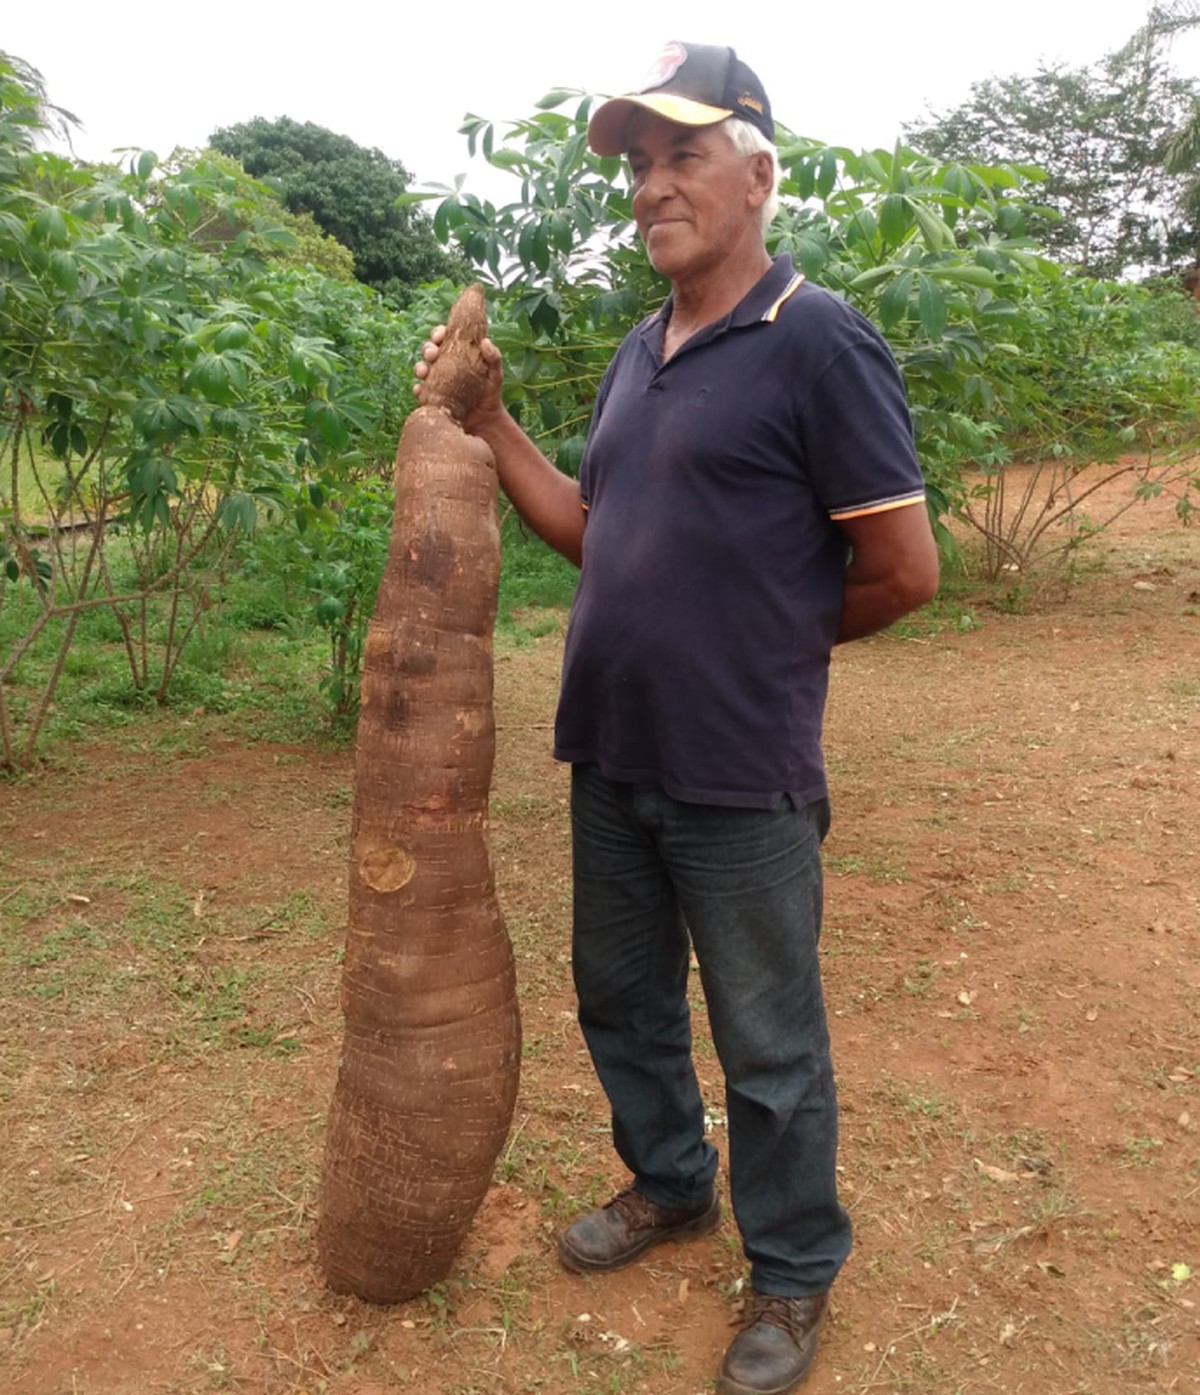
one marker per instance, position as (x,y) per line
(697,653)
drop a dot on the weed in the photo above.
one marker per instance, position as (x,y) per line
(23,1316)
(919,984)
(1140,1151)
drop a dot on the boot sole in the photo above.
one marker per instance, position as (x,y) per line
(703,1224)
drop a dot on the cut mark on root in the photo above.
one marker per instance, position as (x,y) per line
(387,869)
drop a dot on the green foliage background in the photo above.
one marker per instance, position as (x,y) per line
(199,406)
(349,192)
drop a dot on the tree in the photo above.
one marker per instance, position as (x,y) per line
(351,193)
(247,199)
(1100,134)
(33,113)
(1182,154)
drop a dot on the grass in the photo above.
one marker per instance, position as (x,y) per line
(258,651)
(536,584)
(32,500)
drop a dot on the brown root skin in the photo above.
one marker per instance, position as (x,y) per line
(430,1056)
(456,380)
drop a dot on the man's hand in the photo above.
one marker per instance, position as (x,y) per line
(547,500)
(491,403)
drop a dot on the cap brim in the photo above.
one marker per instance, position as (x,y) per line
(609,127)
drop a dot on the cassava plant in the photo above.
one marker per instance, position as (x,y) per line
(935,251)
(164,375)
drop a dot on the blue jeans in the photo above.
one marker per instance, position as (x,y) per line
(746,884)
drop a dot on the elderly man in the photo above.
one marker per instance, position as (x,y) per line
(749,498)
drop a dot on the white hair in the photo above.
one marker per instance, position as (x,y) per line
(749,140)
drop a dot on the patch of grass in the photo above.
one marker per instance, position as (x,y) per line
(920,981)
(1183,688)
(534,580)
(1141,1151)
(24,1314)
(925,1106)
(878,867)
(946,613)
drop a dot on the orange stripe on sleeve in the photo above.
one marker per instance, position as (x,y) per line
(885,507)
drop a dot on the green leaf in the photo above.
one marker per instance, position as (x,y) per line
(895,219)
(958,181)
(146,162)
(931,307)
(64,271)
(938,237)
(441,220)
(234,335)
(827,172)
(325,421)
(329,610)
(508,159)
(555,98)
(237,511)
(541,247)
(50,227)
(811,252)
(561,232)
(893,303)
(872,276)
(968,275)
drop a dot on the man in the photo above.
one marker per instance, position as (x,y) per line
(749,497)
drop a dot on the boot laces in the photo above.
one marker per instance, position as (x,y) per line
(793,1315)
(635,1209)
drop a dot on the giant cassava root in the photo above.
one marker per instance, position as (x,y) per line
(430,1059)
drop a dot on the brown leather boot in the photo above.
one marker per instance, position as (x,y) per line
(773,1351)
(629,1225)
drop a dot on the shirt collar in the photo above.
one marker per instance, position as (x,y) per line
(754,306)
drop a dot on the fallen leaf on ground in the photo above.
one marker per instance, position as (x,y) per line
(997,1174)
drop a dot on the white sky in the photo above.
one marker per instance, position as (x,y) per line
(156,75)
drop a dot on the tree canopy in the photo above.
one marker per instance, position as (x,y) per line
(1101,134)
(351,194)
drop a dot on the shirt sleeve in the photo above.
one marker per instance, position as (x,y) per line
(856,433)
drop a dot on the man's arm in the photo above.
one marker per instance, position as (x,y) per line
(893,568)
(545,498)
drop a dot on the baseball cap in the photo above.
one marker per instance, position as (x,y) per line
(691,84)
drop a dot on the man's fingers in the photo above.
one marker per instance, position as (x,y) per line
(429,354)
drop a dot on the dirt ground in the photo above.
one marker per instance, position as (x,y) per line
(1012,962)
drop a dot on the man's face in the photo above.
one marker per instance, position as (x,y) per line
(695,199)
